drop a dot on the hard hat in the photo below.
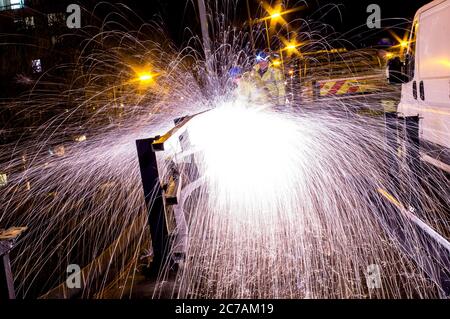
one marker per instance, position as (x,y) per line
(235,72)
(262,56)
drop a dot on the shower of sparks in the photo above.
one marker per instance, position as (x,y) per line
(285,204)
(289,207)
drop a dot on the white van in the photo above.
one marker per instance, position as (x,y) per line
(427,94)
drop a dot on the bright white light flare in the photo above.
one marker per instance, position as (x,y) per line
(249,156)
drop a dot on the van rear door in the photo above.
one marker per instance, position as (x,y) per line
(433,78)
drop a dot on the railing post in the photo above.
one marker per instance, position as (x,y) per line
(7,241)
(154,202)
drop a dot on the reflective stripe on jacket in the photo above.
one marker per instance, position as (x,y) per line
(273,81)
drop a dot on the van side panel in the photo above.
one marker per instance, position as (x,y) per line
(434,46)
(433,58)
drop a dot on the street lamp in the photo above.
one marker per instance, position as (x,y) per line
(290,46)
(275,15)
(403,44)
(145,77)
(142,79)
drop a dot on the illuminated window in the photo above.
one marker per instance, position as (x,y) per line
(16,4)
(11,4)
(36,65)
(55,19)
(3,179)
(24,23)
(19,22)
(29,22)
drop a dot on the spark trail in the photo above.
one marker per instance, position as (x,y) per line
(288,208)
(286,204)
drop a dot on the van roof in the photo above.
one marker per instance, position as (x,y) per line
(428,7)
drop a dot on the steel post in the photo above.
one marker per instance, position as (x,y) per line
(154,202)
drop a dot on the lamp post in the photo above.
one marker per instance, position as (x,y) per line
(205,35)
(275,15)
(250,23)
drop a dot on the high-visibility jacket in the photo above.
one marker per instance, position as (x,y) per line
(251,91)
(272,81)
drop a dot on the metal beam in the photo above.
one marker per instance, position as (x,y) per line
(205,35)
(158,143)
(7,240)
(154,202)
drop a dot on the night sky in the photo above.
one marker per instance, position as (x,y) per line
(354,12)
(351,17)
(348,16)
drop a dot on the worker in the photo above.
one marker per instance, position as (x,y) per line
(248,89)
(270,78)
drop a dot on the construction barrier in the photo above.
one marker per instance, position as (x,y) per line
(348,86)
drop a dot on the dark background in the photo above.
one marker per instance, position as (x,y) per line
(347,17)
(20,45)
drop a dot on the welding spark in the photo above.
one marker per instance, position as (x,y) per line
(279,205)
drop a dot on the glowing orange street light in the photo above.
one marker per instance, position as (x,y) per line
(290,47)
(145,77)
(403,44)
(275,15)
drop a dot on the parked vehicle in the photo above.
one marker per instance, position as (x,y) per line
(425,99)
